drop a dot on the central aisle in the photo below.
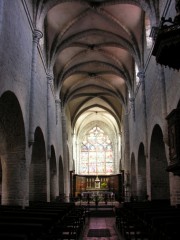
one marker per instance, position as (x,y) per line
(101,223)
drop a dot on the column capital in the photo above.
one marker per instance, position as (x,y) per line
(141,75)
(37,35)
(58,101)
(132,99)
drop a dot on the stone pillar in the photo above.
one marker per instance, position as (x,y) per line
(65,156)
(132,101)
(141,187)
(164,104)
(116,169)
(141,76)
(120,145)
(58,107)
(71,163)
(120,152)
(78,146)
(74,156)
(15,179)
(126,142)
(174,189)
(36,37)
(49,93)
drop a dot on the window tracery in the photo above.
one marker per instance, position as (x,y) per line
(96,157)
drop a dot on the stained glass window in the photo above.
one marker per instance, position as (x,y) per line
(96,153)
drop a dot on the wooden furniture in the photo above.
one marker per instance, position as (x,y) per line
(174,141)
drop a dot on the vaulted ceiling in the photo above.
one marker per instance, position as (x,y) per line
(92,47)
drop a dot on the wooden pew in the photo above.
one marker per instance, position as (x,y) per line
(134,217)
(12,236)
(31,230)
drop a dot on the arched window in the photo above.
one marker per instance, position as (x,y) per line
(96,157)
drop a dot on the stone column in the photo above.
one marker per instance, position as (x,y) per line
(36,37)
(141,76)
(65,156)
(164,103)
(78,146)
(120,152)
(49,93)
(74,155)
(58,107)
(15,179)
(174,189)
(132,101)
(126,163)
(116,156)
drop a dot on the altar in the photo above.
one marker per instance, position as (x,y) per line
(103,196)
(107,186)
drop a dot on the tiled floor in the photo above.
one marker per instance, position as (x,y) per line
(101,223)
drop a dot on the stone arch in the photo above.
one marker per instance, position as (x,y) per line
(158,165)
(61,178)
(41,12)
(37,174)
(133,183)
(53,175)
(141,181)
(12,151)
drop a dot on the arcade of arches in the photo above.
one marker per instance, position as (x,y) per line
(84,106)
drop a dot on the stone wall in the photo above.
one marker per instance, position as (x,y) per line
(16,26)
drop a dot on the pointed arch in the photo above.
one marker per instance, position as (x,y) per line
(12,150)
(61,178)
(37,173)
(158,165)
(53,175)
(141,181)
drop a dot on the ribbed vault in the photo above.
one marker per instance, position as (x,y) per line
(93,48)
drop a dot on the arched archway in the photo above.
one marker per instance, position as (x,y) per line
(158,165)
(53,175)
(141,182)
(12,151)
(61,178)
(37,174)
(133,176)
